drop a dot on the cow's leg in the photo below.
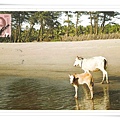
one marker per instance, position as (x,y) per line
(104,75)
(76,89)
(91,90)
(103,78)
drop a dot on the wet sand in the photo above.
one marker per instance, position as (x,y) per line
(52,62)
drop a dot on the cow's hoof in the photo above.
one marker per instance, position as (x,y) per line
(91,98)
(102,82)
(75,97)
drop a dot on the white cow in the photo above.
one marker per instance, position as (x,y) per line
(93,64)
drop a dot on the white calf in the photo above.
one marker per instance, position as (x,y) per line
(84,78)
(93,64)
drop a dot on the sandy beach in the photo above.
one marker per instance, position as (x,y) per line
(30,58)
(54,60)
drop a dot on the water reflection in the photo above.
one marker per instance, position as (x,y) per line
(101,100)
(53,94)
(106,100)
(85,104)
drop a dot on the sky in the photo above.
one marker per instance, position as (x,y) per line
(84,21)
(62,5)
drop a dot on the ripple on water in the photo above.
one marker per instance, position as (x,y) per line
(49,94)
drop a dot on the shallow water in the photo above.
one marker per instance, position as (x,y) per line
(22,93)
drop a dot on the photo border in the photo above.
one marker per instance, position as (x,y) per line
(41,6)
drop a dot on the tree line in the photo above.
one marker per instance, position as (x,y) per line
(50,29)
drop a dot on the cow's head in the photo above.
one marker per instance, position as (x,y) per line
(73,79)
(77,61)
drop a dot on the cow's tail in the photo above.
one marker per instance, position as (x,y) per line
(105,64)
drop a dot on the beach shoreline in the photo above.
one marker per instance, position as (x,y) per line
(18,58)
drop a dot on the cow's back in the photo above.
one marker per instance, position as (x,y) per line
(93,64)
(84,77)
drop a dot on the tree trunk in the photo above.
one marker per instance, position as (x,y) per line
(40,34)
(91,27)
(19,33)
(96,24)
(76,28)
(38,39)
(27,39)
(19,29)
(15,35)
(103,23)
(68,25)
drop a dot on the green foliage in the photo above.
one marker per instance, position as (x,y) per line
(112,28)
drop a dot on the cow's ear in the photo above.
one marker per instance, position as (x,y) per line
(77,57)
(74,75)
(74,78)
(80,58)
